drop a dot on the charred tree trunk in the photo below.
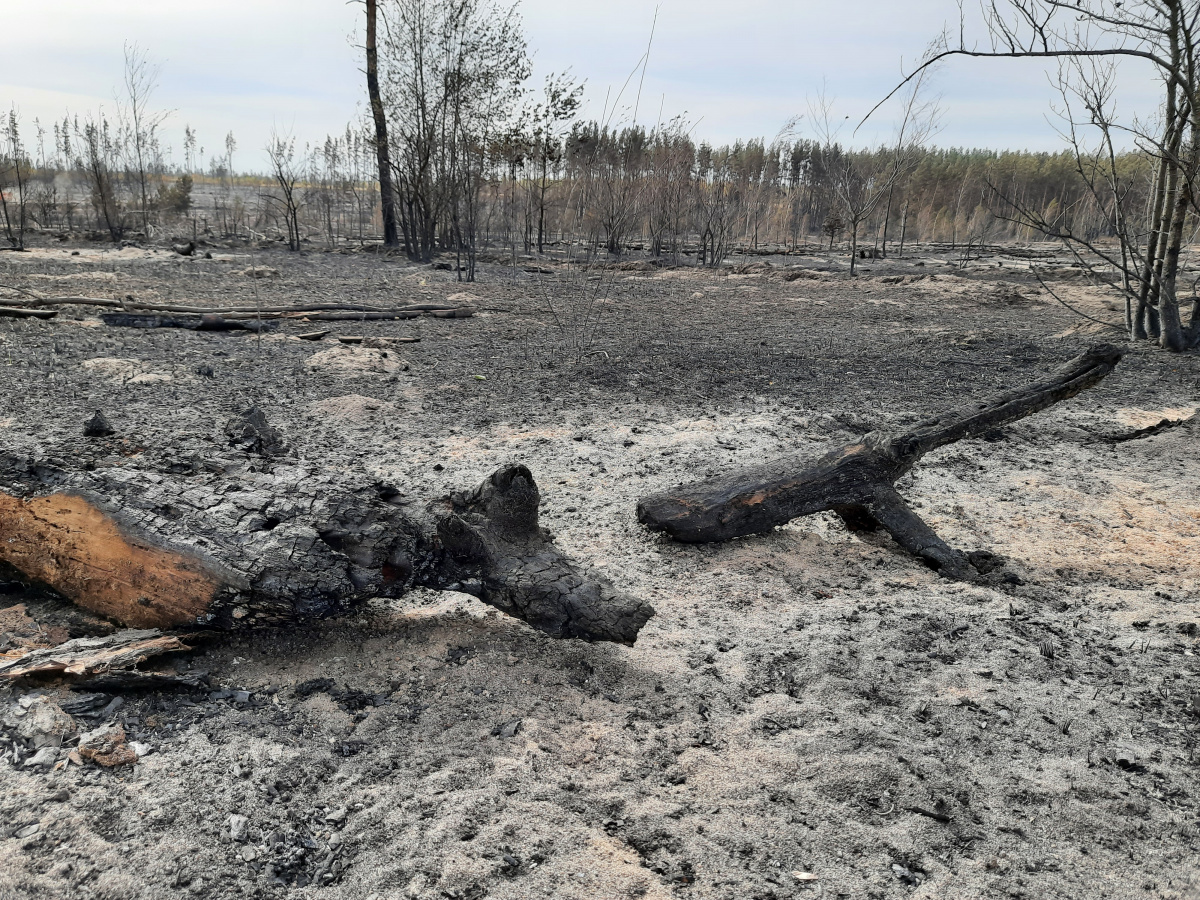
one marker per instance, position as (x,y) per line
(1138,328)
(887,217)
(245,539)
(857,481)
(387,196)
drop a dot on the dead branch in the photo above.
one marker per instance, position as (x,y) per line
(857,480)
(1149,431)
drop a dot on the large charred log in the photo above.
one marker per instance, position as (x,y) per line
(858,480)
(152,540)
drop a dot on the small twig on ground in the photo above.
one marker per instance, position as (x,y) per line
(928,813)
(1148,431)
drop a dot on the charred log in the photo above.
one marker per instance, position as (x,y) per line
(191,323)
(857,480)
(35,305)
(156,541)
(11,312)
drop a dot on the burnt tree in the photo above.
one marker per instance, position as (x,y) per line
(857,481)
(387,196)
(249,537)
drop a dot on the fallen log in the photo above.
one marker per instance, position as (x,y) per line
(12,312)
(857,480)
(191,323)
(454,312)
(313,310)
(252,321)
(37,301)
(244,539)
(298,309)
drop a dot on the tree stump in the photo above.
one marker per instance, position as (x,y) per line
(858,480)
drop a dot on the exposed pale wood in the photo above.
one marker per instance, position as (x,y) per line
(857,480)
(90,656)
(249,539)
(69,544)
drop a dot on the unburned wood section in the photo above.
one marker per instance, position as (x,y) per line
(121,651)
(69,544)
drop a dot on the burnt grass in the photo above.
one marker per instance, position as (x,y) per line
(809,713)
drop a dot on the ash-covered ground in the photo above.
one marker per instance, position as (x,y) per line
(809,714)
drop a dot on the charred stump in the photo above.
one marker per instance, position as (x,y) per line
(857,481)
(153,540)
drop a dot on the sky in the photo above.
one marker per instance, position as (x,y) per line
(734,70)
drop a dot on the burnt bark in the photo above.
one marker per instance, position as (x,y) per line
(387,196)
(11,312)
(240,539)
(857,480)
(193,316)
(191,323)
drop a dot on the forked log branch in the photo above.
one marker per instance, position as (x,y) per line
(252,537)
(857,481)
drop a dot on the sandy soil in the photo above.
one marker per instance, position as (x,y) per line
(809,714)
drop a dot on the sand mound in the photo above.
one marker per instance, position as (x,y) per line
(349,362)
(354,409)
(123,371)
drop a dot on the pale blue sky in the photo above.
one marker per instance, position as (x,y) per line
(738,69)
